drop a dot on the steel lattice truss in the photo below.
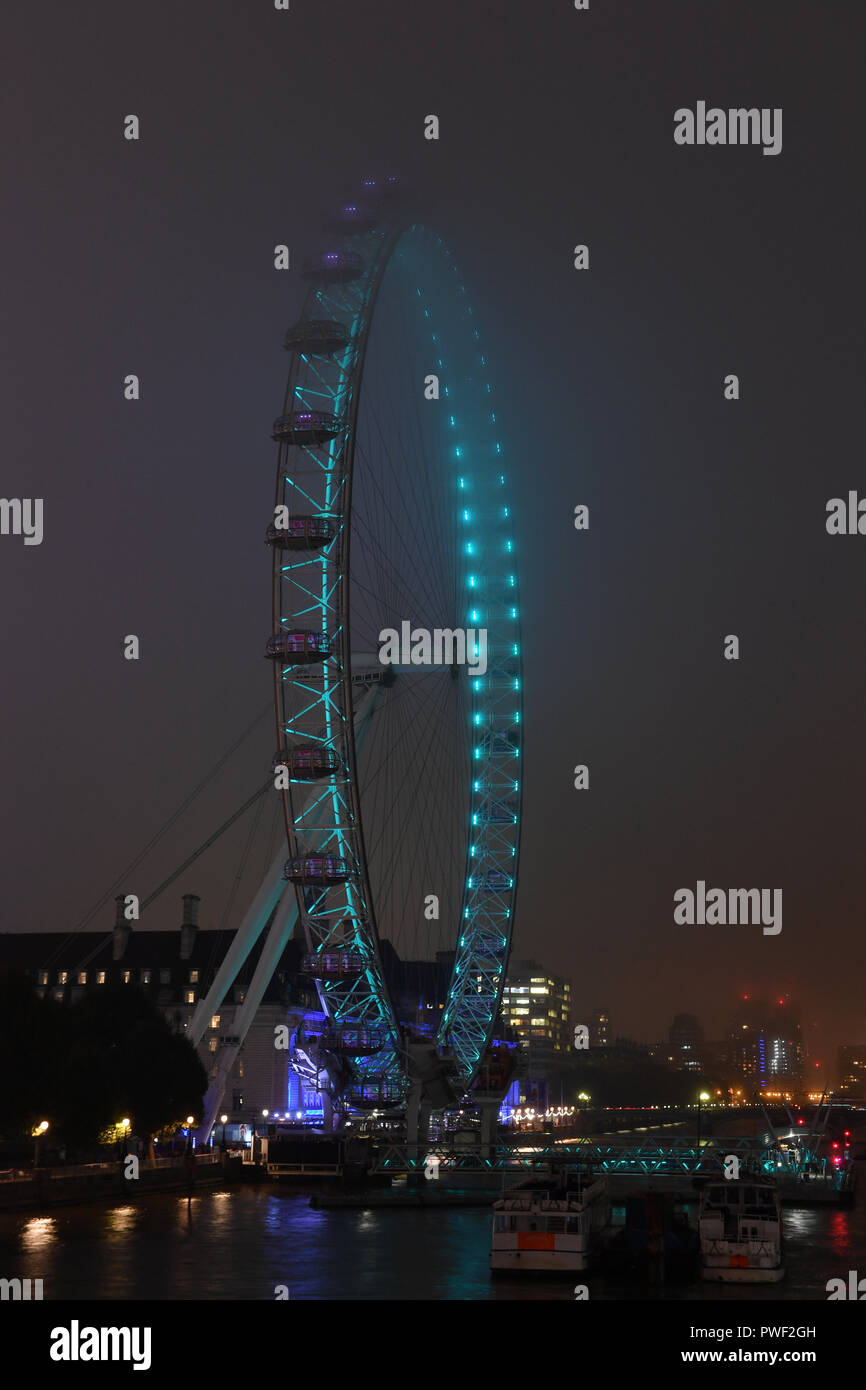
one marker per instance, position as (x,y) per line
(646,1157)
(318,695)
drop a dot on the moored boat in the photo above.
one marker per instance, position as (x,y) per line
(551,1226)
(741,1232)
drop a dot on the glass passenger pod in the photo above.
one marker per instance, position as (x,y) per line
(302,533)
(306,427)
(299,647)
(332,965)
(307,764)
(319,871)
(373,1095)
(495,882)
(318,337)
(353,218)
(334,268)
(351,1040)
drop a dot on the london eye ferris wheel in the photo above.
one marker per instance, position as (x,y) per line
(395,645)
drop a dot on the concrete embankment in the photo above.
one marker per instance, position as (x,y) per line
(94,1182)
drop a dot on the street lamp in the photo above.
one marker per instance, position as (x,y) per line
(703,1097)
(37,1134)
(223,1122)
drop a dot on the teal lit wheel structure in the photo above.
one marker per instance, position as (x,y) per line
(403,782)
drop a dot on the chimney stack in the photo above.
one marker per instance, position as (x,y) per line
(122,929)
(189,925)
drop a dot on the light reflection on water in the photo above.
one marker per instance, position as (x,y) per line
(240,1243)
(38,1233)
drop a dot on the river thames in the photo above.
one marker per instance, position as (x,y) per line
(244,1242)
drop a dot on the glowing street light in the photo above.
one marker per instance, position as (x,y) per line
(37,1134)
(702,1100)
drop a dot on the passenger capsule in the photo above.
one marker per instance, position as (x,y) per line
(352,1040)
(299,647)
(354,218)
(307,764)
(495,882)
(318,337)
(334,268)
(302,533)
(320,871)
(332,965)
(374,1095)
(306,427)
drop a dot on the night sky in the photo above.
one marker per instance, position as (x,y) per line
(707,517)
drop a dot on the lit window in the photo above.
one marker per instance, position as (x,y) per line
(126,977)
(193,977)
(537,979)
(189,996)
(145,977)
(58,994)
(213,1045)
(100,978)
(537,989)
(537,1020)
(62,977)
(82,977)
(43,977)
(215,1021)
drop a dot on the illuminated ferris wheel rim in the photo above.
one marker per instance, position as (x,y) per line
(319,696)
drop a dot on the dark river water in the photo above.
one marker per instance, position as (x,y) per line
(242,1242)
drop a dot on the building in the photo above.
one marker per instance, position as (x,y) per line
(765,1047)
(686,1040)
(418,988)
(175,969)
(600,1033)
(851,1071)
(536,1007)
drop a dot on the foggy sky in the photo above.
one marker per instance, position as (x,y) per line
(706,516)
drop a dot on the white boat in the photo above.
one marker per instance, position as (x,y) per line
(740,1227)
(552,1227)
